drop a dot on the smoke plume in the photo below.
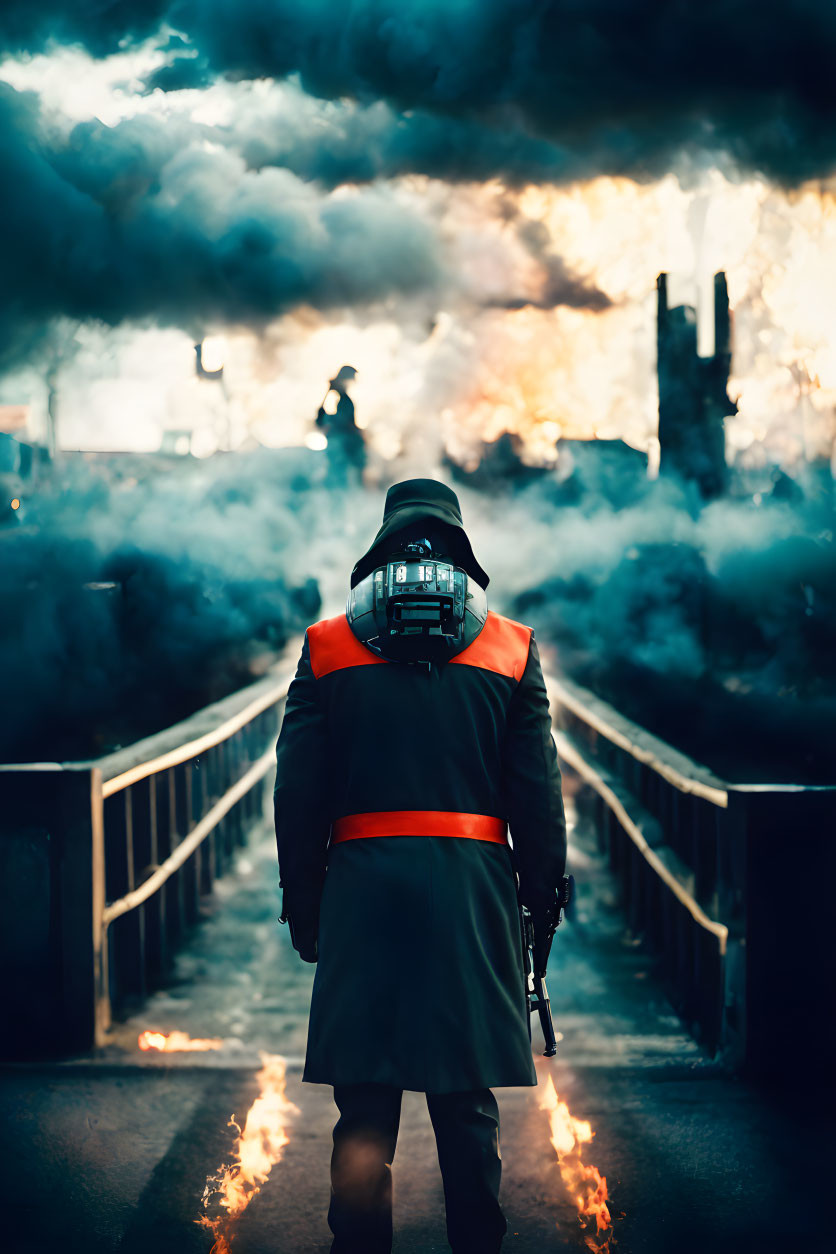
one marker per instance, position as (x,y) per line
(109,230)
(298,197)
(713,627)
(146,588)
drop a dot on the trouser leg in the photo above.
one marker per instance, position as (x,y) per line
(467,1136)
(360,1214)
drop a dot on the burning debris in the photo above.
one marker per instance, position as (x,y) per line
(584,1182)
(176,1042)
(258,1147)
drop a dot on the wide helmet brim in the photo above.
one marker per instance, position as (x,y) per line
(415,501)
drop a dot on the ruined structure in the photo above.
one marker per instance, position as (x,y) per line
(693,397)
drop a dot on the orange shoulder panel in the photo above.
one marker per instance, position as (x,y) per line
(501,646)
(334,646)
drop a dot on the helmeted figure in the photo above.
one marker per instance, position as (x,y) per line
(416,733)
(346,444)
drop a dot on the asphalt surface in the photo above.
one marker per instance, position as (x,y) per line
(112,1153)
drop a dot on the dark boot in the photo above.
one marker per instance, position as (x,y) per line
(360,1214)
(467,1136)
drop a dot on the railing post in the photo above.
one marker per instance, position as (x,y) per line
(127,935)
(146,847)
(51,903)
(78,818)
(200,804)
(184,822)
(789,853)
(166,842)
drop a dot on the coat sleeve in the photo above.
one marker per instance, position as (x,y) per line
(301,803)
(532,790)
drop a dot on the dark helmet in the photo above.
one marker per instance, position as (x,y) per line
(421,501)
(418,594)
(344,374)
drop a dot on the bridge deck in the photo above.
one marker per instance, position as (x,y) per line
(112,1152)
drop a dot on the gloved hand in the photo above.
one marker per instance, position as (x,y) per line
(304,940)
(309,952)
(303,933)
(545,917)
(543,924)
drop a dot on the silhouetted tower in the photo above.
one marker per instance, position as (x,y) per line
(693,396)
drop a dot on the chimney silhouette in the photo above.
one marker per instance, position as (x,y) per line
(693,396)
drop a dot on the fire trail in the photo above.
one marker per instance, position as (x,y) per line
(677,1142)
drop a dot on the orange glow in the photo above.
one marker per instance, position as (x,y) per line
(584,1183)
(171,1042)
(546,373)
(257,1149)
(15,503)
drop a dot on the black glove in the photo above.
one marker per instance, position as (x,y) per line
(303,936)
(543,926)
(303,940)
(546,914)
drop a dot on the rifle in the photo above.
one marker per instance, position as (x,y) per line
(536,949)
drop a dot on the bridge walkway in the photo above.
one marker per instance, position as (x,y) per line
(110,1152)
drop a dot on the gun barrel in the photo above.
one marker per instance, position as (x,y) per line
(544,1010)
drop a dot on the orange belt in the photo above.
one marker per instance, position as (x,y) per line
(420,823)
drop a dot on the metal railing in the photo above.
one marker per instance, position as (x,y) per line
(702,868)
(127,845)
(172,821)
(103,864)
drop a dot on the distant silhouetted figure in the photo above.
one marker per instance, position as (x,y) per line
(346,446)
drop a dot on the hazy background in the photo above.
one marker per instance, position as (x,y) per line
(470,203)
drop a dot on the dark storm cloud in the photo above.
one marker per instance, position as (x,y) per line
(106,226)
(624,82)
(335,142)
(180,74)
(624,79)
(99,25)
(330,143)
(350,142)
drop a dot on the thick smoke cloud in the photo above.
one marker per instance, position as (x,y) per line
(100,25)
(690,623)
(347,141)
(629,81)
(180,74)
(712,627)
(327,142)
(142,589)
(161,218)
(112,230)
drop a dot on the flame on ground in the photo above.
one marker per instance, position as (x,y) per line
(584,1182)
(170,1042)
(258,1147)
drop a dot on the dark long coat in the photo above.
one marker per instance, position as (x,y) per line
(393,788)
